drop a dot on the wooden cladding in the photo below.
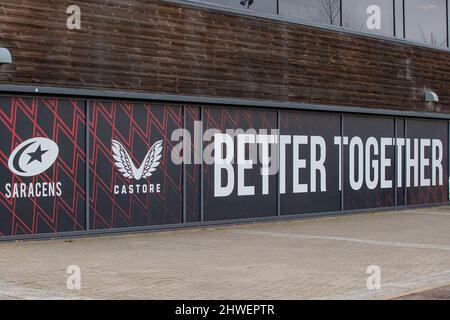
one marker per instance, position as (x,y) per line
(161,47)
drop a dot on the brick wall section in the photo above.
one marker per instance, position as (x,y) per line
(159,47)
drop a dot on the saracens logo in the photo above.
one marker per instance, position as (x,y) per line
(129,170)
(31,158)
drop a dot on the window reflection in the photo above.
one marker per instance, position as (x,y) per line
(263,6)
(422,21)
(374,16)
(320,11)
(425,21)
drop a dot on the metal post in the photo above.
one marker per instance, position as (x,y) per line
(184,218)
(448,162)
(404,21)
(202,198)
(395,20)
(87,177)
(396,162)
(279,164)
(342,162)
(446,22)
(405,165)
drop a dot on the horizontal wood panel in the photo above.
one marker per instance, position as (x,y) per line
(159,47)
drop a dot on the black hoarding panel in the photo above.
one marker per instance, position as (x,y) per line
(193,163)
(233,191)
(400,163)
(426,152)
(42,153)
(237,164)
(369,162)
(133,180)
(308,143)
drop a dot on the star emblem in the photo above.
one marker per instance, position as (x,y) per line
(36,155)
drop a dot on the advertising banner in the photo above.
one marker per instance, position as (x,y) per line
(153,164)
(235,188)
(192,164)
(309,162)
(319,159)
(369,163)
(42,160)
(426,161)
(133,181)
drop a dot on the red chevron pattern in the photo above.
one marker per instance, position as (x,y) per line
(62,121)
(137,126)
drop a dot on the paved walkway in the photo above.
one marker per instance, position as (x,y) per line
(305,259)
(441,293)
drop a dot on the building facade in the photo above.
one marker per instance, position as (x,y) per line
(345,102)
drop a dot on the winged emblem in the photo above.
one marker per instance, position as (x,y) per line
(125,165)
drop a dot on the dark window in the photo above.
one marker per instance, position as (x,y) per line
(320,11)
(264,6)
(374,16)
(425,21)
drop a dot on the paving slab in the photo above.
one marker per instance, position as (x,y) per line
(324,258)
